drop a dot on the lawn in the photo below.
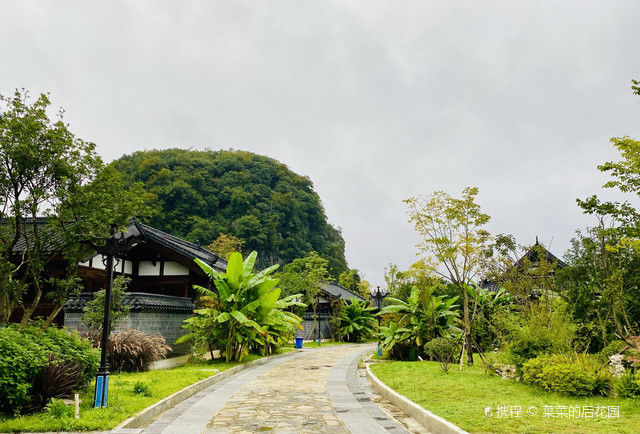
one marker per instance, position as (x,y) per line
(123,402)
(462,397)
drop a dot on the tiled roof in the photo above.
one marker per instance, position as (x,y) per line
(138,230)
(186,248)
(336,291)
(52,241)
(138,302)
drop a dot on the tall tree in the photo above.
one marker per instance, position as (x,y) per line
(45,170)
(452,242)
(307,276)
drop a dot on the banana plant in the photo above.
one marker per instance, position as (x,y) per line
(427,315)
(356,321)
(243,309)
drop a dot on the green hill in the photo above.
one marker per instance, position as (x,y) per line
(201,194)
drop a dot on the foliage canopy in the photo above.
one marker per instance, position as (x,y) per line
(202,194)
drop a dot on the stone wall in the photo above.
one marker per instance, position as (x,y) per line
(309,333)
(168,325)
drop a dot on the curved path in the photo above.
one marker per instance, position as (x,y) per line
(309,392)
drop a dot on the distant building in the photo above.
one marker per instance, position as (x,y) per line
(330,295)
(532,258)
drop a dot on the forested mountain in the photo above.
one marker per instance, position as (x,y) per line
(202,194)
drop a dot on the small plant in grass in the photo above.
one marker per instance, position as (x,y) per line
(141,388)
(57,409)
(444,350)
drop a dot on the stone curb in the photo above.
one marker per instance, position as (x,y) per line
(144,416)
(432,422)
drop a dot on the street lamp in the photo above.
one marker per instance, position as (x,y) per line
(379,294)
(116,245)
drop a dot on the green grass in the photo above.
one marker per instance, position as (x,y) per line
(123,402)
(461,398)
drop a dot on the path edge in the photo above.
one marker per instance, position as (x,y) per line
(432,422)
(144,416)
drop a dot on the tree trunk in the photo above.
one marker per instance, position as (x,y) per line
(26,315)
(467,326)
(52,316)
(6,307)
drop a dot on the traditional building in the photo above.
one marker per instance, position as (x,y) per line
(529,262)
(162,270)
(330,294)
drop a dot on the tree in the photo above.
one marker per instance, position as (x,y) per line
(93,312)
(349,279)
(605,258)
(46,170)
(306,275)
(600,283)
(225,244)
(453,242)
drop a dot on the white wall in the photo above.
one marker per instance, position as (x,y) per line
(175,269)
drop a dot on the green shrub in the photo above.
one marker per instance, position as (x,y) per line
(356,321)
(628,385)
(57,409)
(25,356)
(577,375)
(20,361)
(444,350)
(547,329)
(614,347)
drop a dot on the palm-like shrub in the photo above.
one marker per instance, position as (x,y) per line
(356,321)
(246,310)
(424,316)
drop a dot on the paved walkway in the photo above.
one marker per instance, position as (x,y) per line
(310,392)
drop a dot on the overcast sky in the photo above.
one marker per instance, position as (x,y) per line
(374,101)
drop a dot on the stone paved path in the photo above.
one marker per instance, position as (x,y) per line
(315,391)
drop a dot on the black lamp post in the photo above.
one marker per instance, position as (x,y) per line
(117,244)
(102,376)
(379,294)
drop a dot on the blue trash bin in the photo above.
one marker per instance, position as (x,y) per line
(298,343)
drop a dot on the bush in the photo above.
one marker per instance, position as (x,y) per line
(547,329)
(628,385)
(25,356)
(614,347)
(577,375)
(444,350)
(58,379)
(356,321)
(132,350)
(57,409)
